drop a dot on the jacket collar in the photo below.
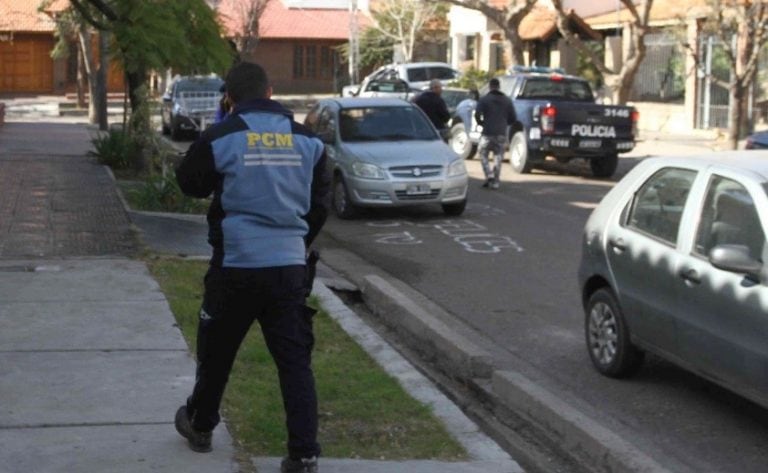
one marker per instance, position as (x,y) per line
(262,105)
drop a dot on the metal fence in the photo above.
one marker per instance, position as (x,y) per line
(713,97)
(661,76)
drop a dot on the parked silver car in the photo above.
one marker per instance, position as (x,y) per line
(674,263)
(190,104)
(385,152)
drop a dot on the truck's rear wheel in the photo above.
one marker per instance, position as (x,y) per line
(604,166)
(518,154)
(460,142)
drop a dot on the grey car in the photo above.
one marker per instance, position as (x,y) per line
(190,104)
(673,263)
(384,152)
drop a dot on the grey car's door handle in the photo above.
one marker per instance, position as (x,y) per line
(618,245)
(690,275)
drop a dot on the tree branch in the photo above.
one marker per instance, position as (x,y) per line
(105,9)
(570,38)
(83,11)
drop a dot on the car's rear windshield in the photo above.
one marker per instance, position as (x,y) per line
(557,88)
(199,85)
(384,124)
(419,74)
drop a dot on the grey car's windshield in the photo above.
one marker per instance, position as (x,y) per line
(384,124)
(199,85)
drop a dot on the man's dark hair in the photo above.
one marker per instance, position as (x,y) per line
(246,81)
(494,83)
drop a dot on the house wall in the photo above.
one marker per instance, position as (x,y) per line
(466,23)
(278,58)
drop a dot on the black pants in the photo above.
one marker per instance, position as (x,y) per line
(233,299)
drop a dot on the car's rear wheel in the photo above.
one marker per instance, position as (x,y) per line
(342,204)
(518,154)
(608,339)
(604,166)
(455,208)
(460,142)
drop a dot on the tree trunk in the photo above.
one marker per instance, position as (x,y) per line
(139,122)
(82,80)
(517,47)
(99,90)
(84,39)
(631,65)
(735,114)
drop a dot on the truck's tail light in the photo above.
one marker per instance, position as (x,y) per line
(548,115)
(635,119)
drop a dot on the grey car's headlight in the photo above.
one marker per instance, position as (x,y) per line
(457,168)
(179,110)
(367,171)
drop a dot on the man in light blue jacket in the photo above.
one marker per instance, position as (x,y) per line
(270,187)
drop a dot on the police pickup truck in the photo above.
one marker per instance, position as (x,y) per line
(557,117)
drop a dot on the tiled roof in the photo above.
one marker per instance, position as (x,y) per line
(541,24)
(660,12)
(281,22)
(22,16)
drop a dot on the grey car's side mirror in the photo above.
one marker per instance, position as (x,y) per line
(735,258)
(327,137)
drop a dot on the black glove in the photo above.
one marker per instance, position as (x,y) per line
(312,258)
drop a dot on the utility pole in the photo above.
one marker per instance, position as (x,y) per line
(354,44)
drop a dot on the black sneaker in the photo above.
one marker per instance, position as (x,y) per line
(305,465)
(487,183)
(198,441)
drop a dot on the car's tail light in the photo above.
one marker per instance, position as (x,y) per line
(548,114)
(635,119)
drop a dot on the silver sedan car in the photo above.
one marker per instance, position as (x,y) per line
(385,152)
(674,263)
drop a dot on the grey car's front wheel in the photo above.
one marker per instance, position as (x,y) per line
(342,204)
(518,154)
(460,142)
(608,340)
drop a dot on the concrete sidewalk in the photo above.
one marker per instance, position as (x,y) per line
(92,369)
(92,366)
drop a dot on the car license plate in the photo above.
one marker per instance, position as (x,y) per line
(417,189)
(590,144)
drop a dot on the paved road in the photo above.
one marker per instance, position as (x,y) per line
(507,268)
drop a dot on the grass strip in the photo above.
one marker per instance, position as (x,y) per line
(364,413)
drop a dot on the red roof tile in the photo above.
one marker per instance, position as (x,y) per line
(281,22)
(660,12)
(539,23)
(22,16)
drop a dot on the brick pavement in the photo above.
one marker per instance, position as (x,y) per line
(55,201)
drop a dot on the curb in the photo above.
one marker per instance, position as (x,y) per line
(484,453)
(459,355)
(576,433)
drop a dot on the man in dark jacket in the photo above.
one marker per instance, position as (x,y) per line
(495,113)
(433,105)
(270,187)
